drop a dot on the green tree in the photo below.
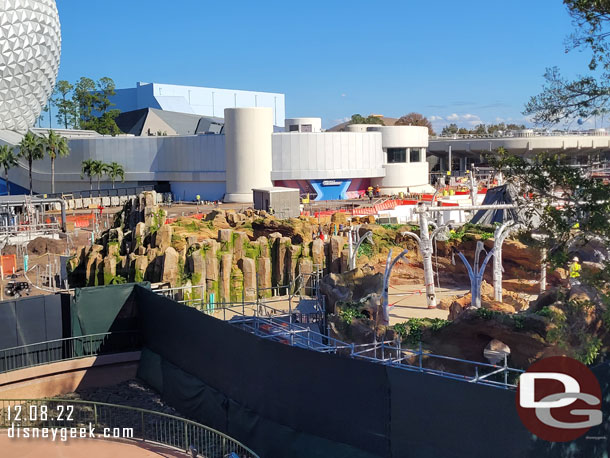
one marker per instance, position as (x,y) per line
(93,104)
(480,129)
(66,109)
(415,119)
(31,149)
(7,161)
(359,119)
(588,95)
(99,170)
(89,168)
(451,129)
(115,170)
(85,98)
(55,146)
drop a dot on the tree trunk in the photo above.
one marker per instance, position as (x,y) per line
(113,183)
(8,187)
(52,176)
(30,164)
(90,183)
(99,179)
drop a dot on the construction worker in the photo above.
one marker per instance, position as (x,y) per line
(377,191)
(575,269)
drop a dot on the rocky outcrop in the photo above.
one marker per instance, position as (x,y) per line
(248,267)
(281,247)
(317,253)
(170,267)
(197,268)
(264,277)
(226,265)
(336,247)
(222,263)
(351,286)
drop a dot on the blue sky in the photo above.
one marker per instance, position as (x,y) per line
(465,62)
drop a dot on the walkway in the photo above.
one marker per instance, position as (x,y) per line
(79,448)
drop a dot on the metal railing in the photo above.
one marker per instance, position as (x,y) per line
(522,134)
(111,420)
(29,229)
(52,351)
(268,322)
(273,324)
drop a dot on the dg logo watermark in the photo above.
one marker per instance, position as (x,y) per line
(559,399)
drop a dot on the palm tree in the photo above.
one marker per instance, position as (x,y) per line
(7,161)
(100,169)
(88,167)
(31,149)
(56,146)
(116,170)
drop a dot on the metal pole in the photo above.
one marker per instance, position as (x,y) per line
(426,249)
(386,285)
(543,271)
(351,263)
(450,164)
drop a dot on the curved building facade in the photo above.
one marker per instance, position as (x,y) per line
(30,48)
(405,164)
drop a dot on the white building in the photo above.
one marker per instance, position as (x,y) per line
(203,101)
(327,165)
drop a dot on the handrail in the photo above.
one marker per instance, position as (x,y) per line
(145,425)
(70,348)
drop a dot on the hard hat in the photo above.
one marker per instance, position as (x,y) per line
(575,259)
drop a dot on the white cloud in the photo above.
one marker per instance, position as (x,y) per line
(464,118)
(434,118)
(344,95)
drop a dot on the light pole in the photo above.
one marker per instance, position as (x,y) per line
(353,250)
(500,235)
(386,285)
(424,240)
(541,237)
(476,274)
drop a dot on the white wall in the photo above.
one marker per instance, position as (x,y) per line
(402,177)
(208,101)
(326,155)
(402,136)
(177,158)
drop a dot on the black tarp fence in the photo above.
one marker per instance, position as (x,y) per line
(30,320)
(286,401)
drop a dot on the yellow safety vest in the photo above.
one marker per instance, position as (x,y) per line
(575,270)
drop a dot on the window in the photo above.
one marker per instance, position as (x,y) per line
(414,157)
(397,155)
(293,128)
(305,127)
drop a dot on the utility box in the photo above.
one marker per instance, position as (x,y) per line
(281,202)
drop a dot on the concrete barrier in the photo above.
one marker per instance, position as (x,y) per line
(55,379)
(106,201)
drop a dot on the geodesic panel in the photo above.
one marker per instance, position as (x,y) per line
(30,47)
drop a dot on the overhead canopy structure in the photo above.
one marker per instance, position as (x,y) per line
(505,194)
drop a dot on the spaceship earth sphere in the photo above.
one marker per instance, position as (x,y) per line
(30,48)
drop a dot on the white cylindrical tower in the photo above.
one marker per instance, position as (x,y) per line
(405,164)
(248,151)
